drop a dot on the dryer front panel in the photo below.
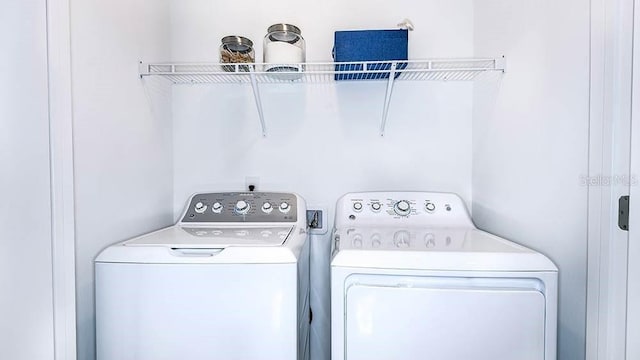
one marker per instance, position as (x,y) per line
(388,317)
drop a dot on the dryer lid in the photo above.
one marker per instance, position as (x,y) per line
(213,237)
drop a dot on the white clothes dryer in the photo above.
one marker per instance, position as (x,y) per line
(413,278)
(229,281)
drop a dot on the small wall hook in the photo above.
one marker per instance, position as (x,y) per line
(406,24)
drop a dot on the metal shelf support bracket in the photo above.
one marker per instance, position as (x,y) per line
(256,95)
(501,64)
(387,99)
(143,69)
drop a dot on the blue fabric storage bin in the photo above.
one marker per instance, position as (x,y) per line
(369,45)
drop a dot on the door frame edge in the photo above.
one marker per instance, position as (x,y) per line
(62,178)
(609,149)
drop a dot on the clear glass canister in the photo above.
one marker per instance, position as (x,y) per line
(284,48)
(234,50)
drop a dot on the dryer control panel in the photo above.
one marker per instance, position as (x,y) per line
(424,209)
(263,207)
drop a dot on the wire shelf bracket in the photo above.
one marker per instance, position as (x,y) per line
(387,98)
(256,96)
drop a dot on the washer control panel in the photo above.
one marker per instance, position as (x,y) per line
(242,207)
(402,208)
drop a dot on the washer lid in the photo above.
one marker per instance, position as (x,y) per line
(213,237)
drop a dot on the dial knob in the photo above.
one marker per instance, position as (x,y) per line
(200,207)
(429,206)
(267,207)
(402,208)
(357,206)
(402,239)
(284,207)
(242,207)
(216,208)
(376,206)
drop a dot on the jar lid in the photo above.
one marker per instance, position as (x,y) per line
(284,27)
(237,43)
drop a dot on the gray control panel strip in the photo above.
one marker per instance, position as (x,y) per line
(242,207)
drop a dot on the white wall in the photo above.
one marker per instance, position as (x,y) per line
(122,135)
(323,139)
(26,298)
(530,141)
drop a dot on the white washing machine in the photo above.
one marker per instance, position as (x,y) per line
(229,281)
(412,278)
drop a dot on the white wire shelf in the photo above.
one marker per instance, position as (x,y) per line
(260,73)
(416,70)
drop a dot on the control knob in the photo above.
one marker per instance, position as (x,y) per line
(357,206)
(200,207)
(216,207)
(242,207)
(267,207)
(376,206)
(285,207)
(402,208)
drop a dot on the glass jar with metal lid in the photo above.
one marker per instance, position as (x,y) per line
(284,48)
(234,50)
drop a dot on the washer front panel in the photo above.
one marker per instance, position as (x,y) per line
(196,311)
(263,207)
